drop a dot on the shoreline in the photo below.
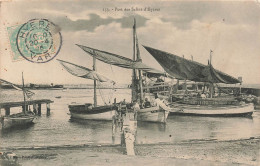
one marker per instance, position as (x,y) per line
(193,141)
(205,152)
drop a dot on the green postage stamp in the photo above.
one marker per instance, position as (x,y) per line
(38,40)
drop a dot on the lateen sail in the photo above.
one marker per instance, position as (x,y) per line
(17,87)
(181,68)
(83,72)
(121,61)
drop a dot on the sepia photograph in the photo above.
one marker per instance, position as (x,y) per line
(112,82)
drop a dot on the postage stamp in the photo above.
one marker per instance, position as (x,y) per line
(38,40)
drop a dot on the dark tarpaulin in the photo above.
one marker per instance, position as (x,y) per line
(181,68)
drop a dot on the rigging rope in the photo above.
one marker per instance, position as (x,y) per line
(113,89)
(100,92)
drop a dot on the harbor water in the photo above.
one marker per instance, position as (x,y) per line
(59,130)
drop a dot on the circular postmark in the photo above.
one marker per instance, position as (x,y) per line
(39,40)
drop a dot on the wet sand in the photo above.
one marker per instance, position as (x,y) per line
(204,152)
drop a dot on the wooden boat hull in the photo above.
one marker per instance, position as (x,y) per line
(152,114)
(202,110)
(96,113)
(8,122)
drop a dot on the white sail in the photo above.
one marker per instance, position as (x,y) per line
(83,72)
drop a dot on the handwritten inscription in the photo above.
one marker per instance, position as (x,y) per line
(131,9)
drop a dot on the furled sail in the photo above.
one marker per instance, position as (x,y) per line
(83,72)
(181,68)
(121,61)
(28,93)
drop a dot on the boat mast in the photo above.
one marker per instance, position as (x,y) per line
(95,82)
(211,84)
(24,100)
(140,73)
(134,72)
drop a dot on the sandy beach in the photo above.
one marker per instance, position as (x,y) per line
(204,152)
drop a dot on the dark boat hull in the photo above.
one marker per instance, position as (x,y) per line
(9,121)
(85,111)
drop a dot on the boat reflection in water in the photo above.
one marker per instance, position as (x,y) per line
(16,129)
(178,129)
(160,127)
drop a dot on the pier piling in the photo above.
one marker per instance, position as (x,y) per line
(48,108)
(126,122)
(25,106)
(35,108)
(7,111)
(39,109)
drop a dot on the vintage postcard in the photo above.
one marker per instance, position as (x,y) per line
(129,82)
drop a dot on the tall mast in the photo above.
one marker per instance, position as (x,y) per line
(211,84)
(24,100)
(140,73)
(95,82)
(134,72)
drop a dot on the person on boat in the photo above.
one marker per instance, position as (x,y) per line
(123,106)
(199,95)
(207,95)
(123,102)
(203,96)
(147,103)
(159,79)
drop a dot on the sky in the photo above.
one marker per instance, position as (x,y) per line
(189,28)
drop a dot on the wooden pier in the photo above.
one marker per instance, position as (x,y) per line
(126,121)
(37,106)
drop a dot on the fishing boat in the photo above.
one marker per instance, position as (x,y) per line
(17,120)
(20,119)
(155,113)
(184,69)
(88,110)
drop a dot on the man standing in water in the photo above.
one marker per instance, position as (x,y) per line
(160,103)
(136,108)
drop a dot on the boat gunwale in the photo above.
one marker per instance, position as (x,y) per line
(212,107)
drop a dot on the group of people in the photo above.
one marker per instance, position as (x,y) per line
(137,106)
(148,104)
(206,95)
(202,95)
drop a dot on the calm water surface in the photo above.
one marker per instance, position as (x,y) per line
(58,129)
